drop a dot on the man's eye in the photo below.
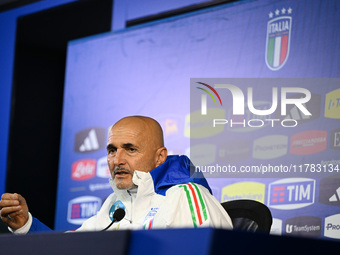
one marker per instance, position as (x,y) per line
(111,152)
(132,149)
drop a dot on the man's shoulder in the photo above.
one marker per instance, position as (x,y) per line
(189,187)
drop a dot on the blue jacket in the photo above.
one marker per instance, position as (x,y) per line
(174,171)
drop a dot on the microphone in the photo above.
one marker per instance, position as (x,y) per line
(118,215)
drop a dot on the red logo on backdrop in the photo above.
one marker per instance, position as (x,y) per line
(83,169)
(308,142)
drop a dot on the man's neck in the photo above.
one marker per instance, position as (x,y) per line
(132,190)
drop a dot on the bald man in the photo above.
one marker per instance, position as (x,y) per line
(154,190)
(134,143)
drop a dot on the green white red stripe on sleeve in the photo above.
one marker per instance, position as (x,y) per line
(196,204)
(148,223)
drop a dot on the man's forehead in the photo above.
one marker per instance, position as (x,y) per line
(135,130)
(124,136)
(119,132)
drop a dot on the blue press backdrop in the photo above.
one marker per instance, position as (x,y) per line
(146,70)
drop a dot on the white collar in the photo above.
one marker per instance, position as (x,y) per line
(142,180)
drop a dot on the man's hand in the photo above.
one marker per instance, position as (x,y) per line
(13,210)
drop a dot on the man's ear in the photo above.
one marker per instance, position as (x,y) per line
(162,154)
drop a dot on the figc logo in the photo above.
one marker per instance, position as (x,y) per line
(278,38)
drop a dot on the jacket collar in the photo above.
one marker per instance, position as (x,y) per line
(142,180)
(174,171)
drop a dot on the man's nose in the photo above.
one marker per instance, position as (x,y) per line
(119,158)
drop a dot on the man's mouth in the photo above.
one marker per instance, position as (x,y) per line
(121,171)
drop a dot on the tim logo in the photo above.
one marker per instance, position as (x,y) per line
(278,38)
(291,193)
(89,140)
(83,169)
(332,104)
(82,208)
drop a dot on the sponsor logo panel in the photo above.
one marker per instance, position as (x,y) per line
(99,186)
(103,170)
(83,169)
(329,190)
(89,140)
(308,142)
(234,151)
(198,126)
(276,228)
(170,127)
(293,110)
(332,226)
(244,190)
(308,226)
(332,104)
(216,191)
(272,146)
(335,139)
(203,154)
(291,193)
(82,208)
